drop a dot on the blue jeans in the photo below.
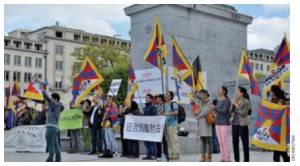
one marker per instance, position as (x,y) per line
(110,140)
(75,138)
(215,140)
(151,149)
(52,143)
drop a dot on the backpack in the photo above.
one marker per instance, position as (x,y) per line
(181,112)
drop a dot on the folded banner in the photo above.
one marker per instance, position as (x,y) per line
(270,129)
(144,128)
(25,138)
(70,119)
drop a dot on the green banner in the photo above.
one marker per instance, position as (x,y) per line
(70,119)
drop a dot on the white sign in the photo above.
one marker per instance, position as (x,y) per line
(183,87)
(114,87)
(149,81)
(144,128)
(25,138)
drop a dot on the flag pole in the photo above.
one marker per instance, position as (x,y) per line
(141,104)
(159,52)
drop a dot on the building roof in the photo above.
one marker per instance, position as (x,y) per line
(263,51)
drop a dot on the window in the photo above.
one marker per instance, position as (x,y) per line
(260,56)
(59,50)
(58,34)
(268,67)
(103,41)
(256,66)
(6,75)
(6,59)
(256,56)
(39,75)
(272,58)
(27,77)
(261,67)
(267,57)
(28,61)
(77,37)
(252,65)
(17,75)
(58,84)
(59,65)
(38,62)
(17,60)
(251,54)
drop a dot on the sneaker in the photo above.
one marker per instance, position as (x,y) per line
(100,156)
(91,153)
(152,158)
(158,159)
(115,154)
(146,158)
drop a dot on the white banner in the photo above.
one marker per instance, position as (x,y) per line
(25,138)
(144,128)
(149,81)
(114,87)
(275,74)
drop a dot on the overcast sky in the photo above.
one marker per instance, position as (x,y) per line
(266,31)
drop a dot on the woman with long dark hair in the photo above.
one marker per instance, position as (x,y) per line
(222,123)
(239,120)
(278,97)
(203,128)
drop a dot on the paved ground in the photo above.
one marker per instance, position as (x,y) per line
(255,156)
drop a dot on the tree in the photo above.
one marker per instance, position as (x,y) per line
(112,63)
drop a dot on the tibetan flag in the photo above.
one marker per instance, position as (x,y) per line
(113,114)
(98,95)
(245,71)
(288,126)
(157,49)
(16,89)
(15,92)
(11,119)
(87,79)
(34,92)
(7,96)
(132,85)
(180,63)
(280,68)
(270,127)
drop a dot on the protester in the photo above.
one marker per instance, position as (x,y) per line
(160,110)
(52,130)
(133,145)
(85,131)
(124,111)
(42,117)
(150,110)
(278,97)
(75,135)
(95,114)
(214,138)
(204,129)
(171,113)
(24,117)
(111,114)
(239,120)
(223,123)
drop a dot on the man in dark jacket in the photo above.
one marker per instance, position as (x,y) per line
(42,116)
(150,110)
(96,115)
(52,130)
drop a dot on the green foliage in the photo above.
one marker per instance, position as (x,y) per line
(111,62)
(117,72)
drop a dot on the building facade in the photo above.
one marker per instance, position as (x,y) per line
(261,60)
(46,51)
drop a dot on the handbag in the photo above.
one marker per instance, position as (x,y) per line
(210,118)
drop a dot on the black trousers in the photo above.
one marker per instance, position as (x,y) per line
(96,138)
(243,132)
(124,143)
(277,154)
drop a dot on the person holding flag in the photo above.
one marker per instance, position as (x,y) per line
(52,131)
(278,97)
